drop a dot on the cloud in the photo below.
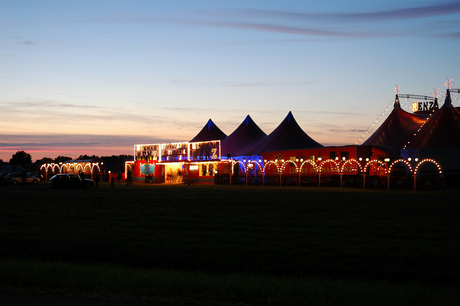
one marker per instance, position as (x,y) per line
(263,84)
(286,29)
(324,24)
(71,140)
(438,9)
(349,114)
(30,43)
(33,110)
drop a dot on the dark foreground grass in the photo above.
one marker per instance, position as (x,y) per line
(191,288)
(291,246)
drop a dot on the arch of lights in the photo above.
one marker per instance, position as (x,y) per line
(66,167)
(401,160)
(321,163)
(259,166)
(372,162)
(271,162)
(350,161)
(430,161)
(287,162)
(234,162)
(308,161)
(51,166)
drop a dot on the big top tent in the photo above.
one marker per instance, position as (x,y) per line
(399,128)
(244,138)
(209,132)
(288,135)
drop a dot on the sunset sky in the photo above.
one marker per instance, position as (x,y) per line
(97,77)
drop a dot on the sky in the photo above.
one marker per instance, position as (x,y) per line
(97,77)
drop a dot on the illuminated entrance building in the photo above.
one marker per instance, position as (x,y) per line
(180,162)
(175,162)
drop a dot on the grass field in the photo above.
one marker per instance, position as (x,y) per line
(260,245)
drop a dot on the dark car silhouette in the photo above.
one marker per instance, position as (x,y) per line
(18,177)
(70,180)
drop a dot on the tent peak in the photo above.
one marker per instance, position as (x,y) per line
(248,120)
(210,124)
(209,132)
(397,104)
(448,100)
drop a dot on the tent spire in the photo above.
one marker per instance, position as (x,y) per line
(397,104)
(448,100)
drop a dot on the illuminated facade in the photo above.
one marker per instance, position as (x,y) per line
(176,162)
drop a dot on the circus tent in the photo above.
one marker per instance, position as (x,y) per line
(288,135)
(243,138)
(442,130)
(399,128)
(209,132)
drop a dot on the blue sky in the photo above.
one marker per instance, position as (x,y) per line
(97,77)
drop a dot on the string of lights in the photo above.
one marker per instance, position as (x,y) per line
(363,136)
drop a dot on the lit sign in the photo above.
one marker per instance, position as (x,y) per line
(422,106)
(146,152)
(209,150)
(193,167)
(173,151)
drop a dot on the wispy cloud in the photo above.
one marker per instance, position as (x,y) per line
(297,30)
(438,9)
(71,140)
(271,83)
(30,43)
(264,84)
(325,24)
(35,109)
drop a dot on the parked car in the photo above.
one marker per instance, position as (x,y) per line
(70,180)
(2,176)
(18,178)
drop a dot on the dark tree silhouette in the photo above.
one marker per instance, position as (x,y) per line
(44,160)
(83,157)
(116,159)
(21,158)
(60,158)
